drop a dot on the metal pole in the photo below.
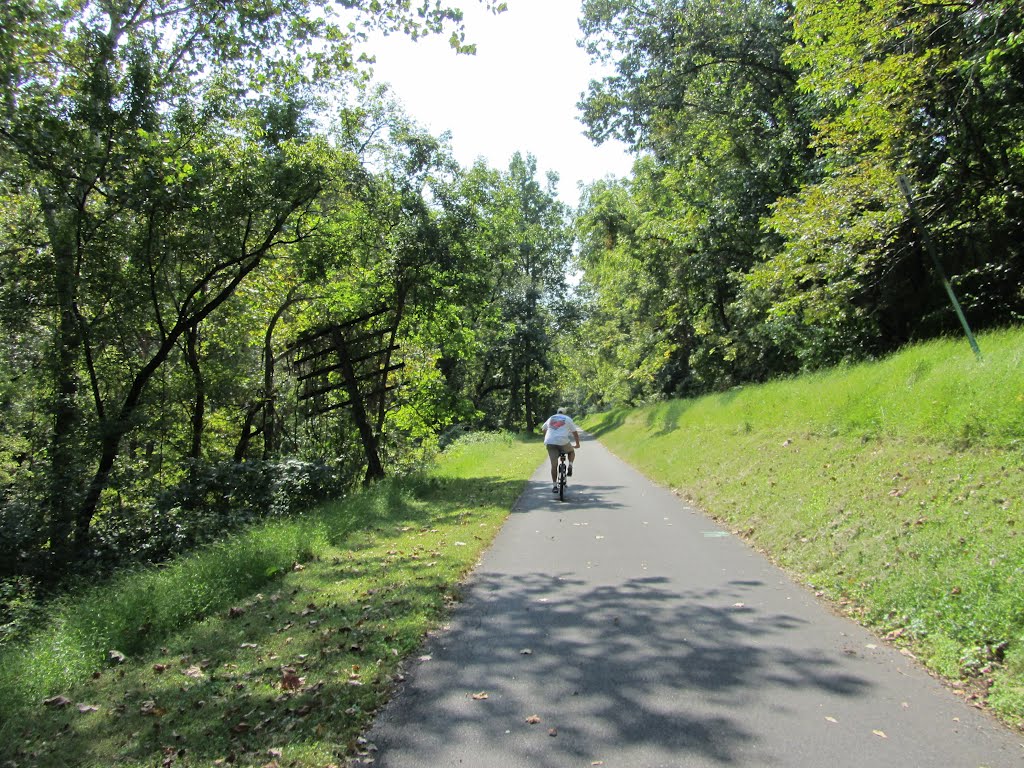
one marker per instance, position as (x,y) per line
(930,246)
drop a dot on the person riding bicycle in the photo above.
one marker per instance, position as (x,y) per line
(557,430)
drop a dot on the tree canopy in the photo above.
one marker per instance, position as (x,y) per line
(192,191)
(764,231)
(174,213)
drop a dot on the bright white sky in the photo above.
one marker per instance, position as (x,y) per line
(518,93)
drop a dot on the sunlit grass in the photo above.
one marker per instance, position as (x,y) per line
(895,488)
(937,392)
(279,644)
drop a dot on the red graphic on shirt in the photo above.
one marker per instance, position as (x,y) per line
(558,422)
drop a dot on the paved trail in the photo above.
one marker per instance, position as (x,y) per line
(641,635)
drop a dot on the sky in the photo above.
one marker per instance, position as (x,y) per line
(518,93)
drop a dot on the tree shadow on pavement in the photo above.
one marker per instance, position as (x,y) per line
(657,675)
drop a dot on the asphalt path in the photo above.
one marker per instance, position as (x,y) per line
(623,628)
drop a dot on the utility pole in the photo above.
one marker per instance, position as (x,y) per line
(930,246)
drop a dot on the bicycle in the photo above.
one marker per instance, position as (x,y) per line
(563,471)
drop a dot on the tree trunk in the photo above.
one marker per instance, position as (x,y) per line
(529,424)
(271,440)
(114,429)
(382,405)
(242,448)
(199,408)
(374,469)
(64,452)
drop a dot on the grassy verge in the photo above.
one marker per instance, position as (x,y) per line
(895,489)
(274,648)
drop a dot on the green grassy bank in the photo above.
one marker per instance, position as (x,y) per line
(895,489)
(274,648)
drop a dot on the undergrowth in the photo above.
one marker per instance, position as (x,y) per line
(276,645)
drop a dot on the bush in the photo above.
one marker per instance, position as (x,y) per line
(212,501)
(19,607)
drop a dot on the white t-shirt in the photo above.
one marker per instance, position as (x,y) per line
(558,429)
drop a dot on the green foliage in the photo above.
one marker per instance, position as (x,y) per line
(893,488)
(213,500)
(172,217)
(703,91)
(139,608)
(342,597)
(763,231)
(512,306)
(887,78)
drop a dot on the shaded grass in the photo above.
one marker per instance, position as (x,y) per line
(277,645)
(895,489)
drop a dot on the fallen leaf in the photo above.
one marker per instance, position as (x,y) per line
(880,734)
(831,719)
(552,732)
(234,613)
(160,668)
(58,702)
(526,652)
(150,708)
(533,719)
(242,727)
(86,708)
(116,656)
(479,696)
(290,681)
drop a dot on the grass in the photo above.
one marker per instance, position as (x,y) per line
(895,489)
(274,648)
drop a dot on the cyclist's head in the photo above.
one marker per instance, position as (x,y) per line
(562,410)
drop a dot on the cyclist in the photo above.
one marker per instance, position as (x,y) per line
(557,430)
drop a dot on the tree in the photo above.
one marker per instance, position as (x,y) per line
(701,89)
(929,91)
(523,244)
(154,157)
